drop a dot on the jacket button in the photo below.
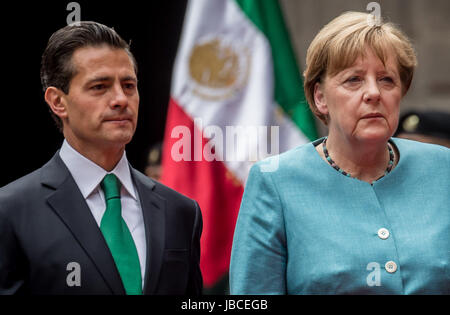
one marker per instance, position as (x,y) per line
(391,266)
(383,233)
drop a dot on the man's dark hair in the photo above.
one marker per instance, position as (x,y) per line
(56,67)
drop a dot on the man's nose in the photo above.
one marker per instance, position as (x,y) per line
(119,98)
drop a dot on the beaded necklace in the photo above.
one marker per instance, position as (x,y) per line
(337,168)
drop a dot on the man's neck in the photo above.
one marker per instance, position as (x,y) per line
(106,157)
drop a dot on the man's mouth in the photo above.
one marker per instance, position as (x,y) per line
(119,119)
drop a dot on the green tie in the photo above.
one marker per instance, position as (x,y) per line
(119,239)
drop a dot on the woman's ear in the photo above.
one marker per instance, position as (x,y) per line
(319,99)
(55,100)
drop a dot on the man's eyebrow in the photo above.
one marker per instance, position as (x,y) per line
(129,78)
(106,78)
(98,79)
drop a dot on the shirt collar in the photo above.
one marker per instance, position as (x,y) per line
(89,175)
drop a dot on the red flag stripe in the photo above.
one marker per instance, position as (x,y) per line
(216,190)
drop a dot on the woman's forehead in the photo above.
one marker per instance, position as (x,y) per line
(358,59)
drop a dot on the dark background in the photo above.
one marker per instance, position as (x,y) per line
(28,134)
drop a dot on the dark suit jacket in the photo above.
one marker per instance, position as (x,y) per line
(45,224)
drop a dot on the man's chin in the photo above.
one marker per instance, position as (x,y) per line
(119,139)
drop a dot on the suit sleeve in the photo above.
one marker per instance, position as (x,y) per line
(12,279)
(258,258)
(195,284)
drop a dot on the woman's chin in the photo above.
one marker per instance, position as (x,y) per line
(374,135)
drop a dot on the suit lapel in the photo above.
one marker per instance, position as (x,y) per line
(68,203)
(153,209)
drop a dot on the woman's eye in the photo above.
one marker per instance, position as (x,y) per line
(387,79)
(353,79)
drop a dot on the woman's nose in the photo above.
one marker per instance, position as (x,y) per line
(372,91)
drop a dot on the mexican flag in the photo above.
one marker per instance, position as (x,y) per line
(236,97)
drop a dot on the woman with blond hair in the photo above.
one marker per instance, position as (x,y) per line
(355,212)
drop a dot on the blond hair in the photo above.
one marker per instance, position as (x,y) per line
(340,42)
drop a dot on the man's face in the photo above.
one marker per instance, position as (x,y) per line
(103,100)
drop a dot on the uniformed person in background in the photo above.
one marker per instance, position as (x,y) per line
(425,126)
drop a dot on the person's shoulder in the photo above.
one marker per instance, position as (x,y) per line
(425,156)
(21,186)
(162,190)
(288,160)
(414,148)
(19,193)
(172,194)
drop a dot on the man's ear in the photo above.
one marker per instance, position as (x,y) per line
(319,99)
(56,101)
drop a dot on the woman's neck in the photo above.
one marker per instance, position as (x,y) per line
(366,161)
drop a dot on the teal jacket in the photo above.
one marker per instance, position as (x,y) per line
(304,228)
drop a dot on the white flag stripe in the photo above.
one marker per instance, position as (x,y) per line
(233,50)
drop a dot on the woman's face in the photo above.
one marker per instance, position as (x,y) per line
(362,101)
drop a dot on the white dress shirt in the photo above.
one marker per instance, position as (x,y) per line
(88,176)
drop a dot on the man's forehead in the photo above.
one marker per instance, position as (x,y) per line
(101,56)
(103,61)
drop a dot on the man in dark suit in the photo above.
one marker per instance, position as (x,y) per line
(87,222)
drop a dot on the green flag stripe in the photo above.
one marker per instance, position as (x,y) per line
(268,18)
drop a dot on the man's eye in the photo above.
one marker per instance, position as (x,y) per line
(98,87)
(129,86)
